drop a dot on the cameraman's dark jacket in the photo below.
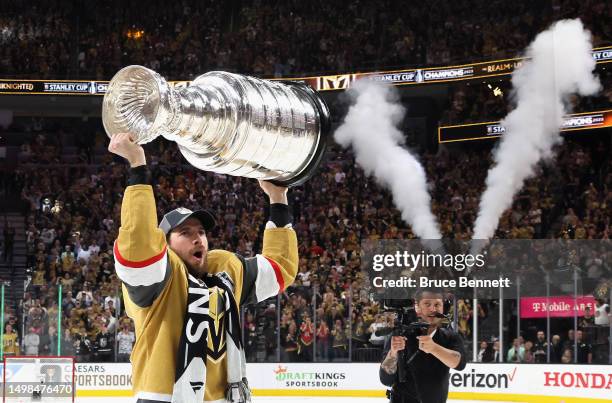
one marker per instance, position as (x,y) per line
(427,377)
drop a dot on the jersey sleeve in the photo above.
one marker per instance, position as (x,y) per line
(140,251)
(271,272)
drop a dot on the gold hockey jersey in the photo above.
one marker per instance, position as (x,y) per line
(155,293)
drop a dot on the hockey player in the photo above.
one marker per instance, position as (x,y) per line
(185,299)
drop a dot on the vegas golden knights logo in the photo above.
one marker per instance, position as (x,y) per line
(340,82)
(216,327)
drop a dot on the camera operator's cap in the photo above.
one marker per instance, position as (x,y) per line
(177,216)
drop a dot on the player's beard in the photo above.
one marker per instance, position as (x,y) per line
(197,269)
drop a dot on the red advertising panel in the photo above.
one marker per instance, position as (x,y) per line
(559,307)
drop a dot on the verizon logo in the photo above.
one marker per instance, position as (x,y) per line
(481,380)
(586,380)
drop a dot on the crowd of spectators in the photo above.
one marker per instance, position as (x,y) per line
(37,40)
(92,40)
(578,346)
(73,217)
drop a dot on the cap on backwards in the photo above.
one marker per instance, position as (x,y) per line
(177,216)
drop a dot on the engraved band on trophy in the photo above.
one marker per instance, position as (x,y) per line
(224,122)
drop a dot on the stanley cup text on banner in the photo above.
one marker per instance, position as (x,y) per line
(225,123)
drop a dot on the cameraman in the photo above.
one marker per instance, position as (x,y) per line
(427,375)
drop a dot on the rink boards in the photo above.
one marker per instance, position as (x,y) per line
(493,382)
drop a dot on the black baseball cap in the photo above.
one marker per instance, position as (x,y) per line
(177,216)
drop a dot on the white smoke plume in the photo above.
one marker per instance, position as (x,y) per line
(370,127)
(561,64)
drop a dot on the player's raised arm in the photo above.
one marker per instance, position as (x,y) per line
(270,272)
(140,250)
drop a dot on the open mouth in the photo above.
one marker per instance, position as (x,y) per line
(198,255)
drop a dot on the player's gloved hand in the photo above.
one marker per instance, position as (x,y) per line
(238,392)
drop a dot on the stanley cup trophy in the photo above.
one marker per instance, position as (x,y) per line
(223,122)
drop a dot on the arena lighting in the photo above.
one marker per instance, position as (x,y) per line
(135,34)
(497,92)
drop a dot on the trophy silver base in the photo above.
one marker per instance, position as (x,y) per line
(319,152)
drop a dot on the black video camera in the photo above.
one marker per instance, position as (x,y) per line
(406,324)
